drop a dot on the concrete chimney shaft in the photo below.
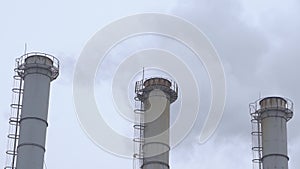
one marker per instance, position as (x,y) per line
(37,71)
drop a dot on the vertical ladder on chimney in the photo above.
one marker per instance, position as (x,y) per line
(138,126)
(14,120)
(256,136)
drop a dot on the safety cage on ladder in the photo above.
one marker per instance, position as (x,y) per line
(138,125)
(14,120)
(256,136)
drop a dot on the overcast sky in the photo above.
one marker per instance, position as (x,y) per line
(258,44)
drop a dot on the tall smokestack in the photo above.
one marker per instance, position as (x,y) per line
(156,96)
(272,114)
(37,70)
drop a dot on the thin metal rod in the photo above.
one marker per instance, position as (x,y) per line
(25,48)
(143,76)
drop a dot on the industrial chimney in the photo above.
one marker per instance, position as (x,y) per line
(155,96)
(269,118)
(36,71)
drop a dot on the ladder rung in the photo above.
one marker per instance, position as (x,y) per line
(17,77)
(138,140)
(256,160)
(16,106)
(17,90)
(14,121)
(13,136)
(138,156)
(139,127)
(257,148)
(256,133)
(139,111)
(11,152)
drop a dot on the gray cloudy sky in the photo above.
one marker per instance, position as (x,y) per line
(258,44)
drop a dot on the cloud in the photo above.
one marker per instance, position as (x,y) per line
(257,58)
